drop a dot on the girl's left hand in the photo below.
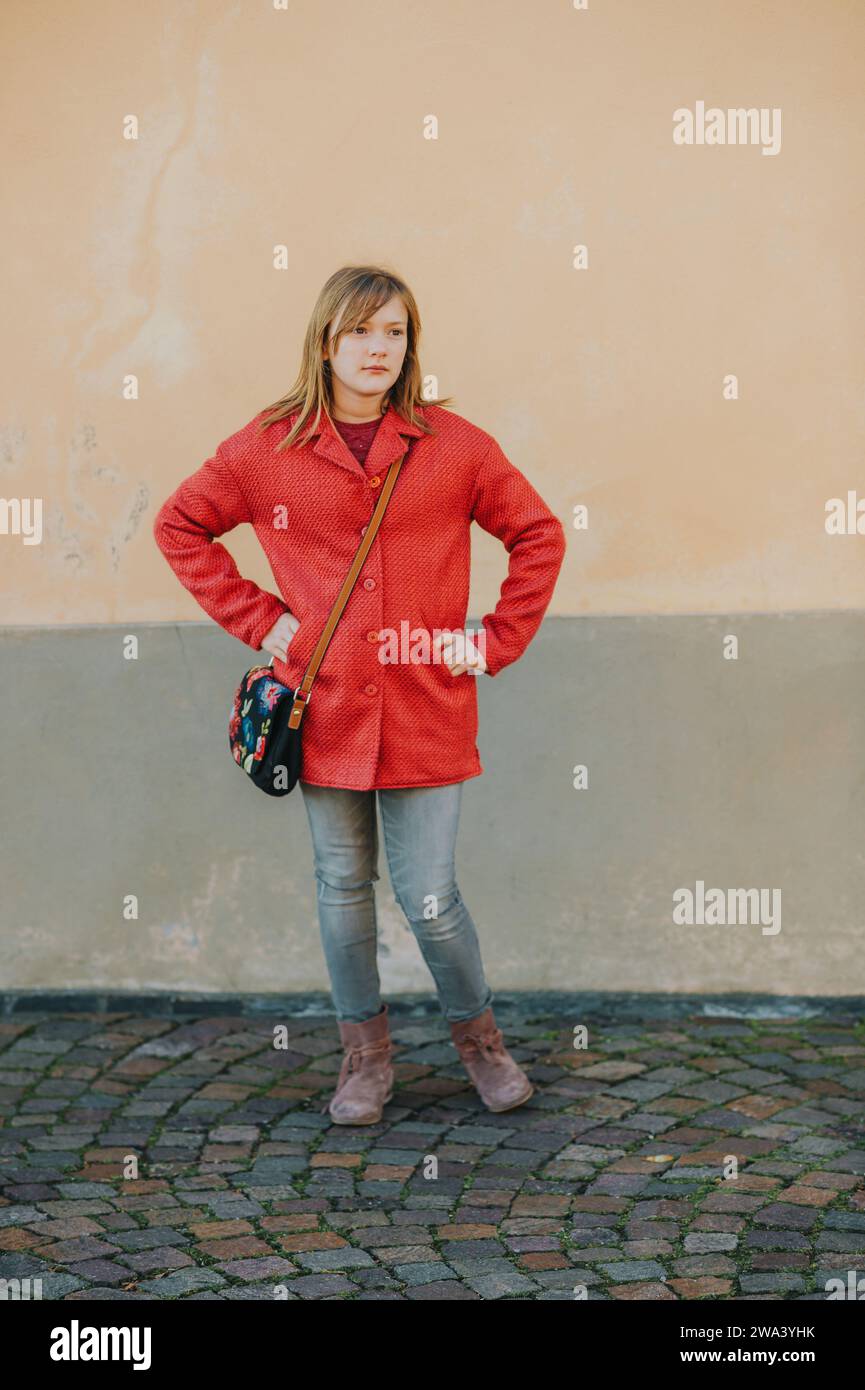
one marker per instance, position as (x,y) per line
(459,654)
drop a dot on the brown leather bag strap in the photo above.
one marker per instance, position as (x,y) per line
(301,694)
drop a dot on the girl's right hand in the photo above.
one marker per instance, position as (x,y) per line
(277,640)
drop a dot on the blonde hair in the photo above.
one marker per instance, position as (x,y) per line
(348,298)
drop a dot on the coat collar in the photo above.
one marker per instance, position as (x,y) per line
(387,445)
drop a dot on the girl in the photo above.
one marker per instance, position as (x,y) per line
(393,711)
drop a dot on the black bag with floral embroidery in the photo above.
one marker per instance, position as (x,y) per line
(259,735)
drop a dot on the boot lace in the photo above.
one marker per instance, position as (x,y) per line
(356,1053)
(488,1044)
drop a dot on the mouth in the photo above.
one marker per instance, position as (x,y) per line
(375,369)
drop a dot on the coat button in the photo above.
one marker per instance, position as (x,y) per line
(375,482)
(370,689)
(372,637)
(369,583)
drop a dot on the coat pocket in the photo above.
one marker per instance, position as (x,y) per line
(302,644)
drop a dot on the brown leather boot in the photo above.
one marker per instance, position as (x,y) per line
(499,1082)
(365,1082)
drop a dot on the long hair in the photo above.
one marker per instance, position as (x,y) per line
(348,298)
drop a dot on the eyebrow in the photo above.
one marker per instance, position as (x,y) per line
(394,323)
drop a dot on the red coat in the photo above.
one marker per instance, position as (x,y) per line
(369,724)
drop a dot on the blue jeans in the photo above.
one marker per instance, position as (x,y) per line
(420,830)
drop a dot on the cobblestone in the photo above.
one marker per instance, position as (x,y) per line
(610,1178)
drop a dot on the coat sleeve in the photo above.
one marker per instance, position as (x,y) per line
(207,504)
(506,505)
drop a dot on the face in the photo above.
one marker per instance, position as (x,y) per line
(380,342)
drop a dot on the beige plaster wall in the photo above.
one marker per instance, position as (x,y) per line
(306,126)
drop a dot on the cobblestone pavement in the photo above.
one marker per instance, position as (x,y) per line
(610,1178)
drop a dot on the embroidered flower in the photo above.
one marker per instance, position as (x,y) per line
(269,692)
